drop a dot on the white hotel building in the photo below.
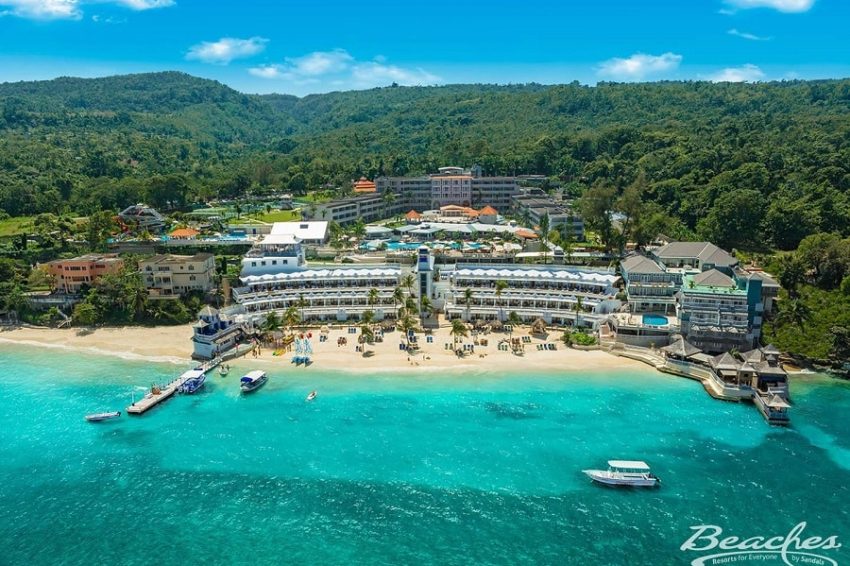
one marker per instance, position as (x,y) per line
(275,276)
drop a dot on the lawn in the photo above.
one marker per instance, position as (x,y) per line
(16,225)
(280,216)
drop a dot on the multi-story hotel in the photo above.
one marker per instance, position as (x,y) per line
(175,275)
(715,303)
(451,185)
(275,276)
(70,275)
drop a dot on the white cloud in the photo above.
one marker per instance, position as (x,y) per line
(69,9)
(340,68)
(744,73)
(745,35)
(639,66)
(42,9)
(226,49)
(788,6)
(373,74)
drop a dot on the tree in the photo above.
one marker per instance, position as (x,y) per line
(578,307)
(735,220)
(513,320)
(500,286)
(98,228)
(596,206)
(794,311)
(85,314)
(791,273)
(271,323)
(408,281)
(544,235)
(291,318)
(458,331)
(827,256)
(373,297)
(426,309)
(407,324)
(467,299)
(398,297)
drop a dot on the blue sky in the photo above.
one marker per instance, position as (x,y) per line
(321,45)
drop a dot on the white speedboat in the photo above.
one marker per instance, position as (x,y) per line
(223,370)
(97,417)
(626,473)
(253,380)
(311,396)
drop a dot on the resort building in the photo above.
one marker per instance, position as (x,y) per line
(465,188)
(364,186)
(143,217)
(70,275)
(367,207)
(184,234)
(275,276)
(714,313)
(650,287)
(535,207)
(214,334)
(717,304)
(171,276)
(309,233)
(560,296)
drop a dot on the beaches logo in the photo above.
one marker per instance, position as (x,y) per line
(791,549)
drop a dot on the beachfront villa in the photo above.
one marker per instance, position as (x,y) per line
(694,289)
(71,275)
(214,334)
(172,276)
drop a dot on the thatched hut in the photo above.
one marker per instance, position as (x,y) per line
(538,326)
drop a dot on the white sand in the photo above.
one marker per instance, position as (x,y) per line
(173,343)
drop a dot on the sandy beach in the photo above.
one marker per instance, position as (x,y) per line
(173,344)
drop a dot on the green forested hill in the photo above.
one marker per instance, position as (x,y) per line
(771,160)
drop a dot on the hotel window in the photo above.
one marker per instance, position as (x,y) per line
(253,264)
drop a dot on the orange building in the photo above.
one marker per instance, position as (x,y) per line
(364,185)
(184,234)
(69,275)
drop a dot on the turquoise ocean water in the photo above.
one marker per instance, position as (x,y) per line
(383,469)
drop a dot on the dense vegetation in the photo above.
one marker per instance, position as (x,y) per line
(748,166)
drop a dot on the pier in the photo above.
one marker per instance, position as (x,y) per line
(160,394)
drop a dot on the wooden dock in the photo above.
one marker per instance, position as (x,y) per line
(159,394)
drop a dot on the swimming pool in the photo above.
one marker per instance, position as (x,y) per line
(412,246)
(655,320)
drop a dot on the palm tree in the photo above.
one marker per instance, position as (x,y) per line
(458,331)
(271,323)
(291,318)
(408,281)
(794,311)
(578,307)
(301,304)
(367,336)
(513,320)
(467,299)
(372,298)
(501,285)
(367,319)
(398,297)
(407,323)
(426,309)
(410,306)
(544,235)
(791,273)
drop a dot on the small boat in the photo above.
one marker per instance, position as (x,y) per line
(311,396)
(253,380)
(193,381)
(223,370)
(625,473)
(97,417)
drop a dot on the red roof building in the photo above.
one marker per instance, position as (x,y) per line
(364,185)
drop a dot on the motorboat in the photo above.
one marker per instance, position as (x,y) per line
(311,396)
(223,370)
(192,380)
(625,473)
(98,417)
(253,380)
